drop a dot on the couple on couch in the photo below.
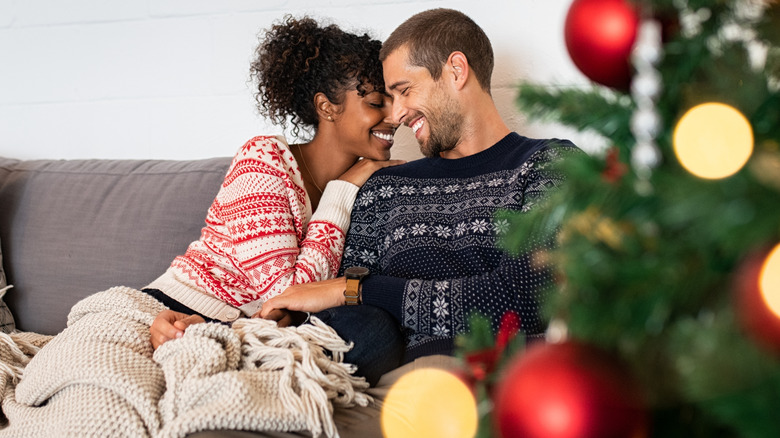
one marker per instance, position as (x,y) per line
(422,241)
(393,256)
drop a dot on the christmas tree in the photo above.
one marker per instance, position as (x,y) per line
(668,255)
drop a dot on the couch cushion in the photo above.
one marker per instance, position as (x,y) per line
(74,227)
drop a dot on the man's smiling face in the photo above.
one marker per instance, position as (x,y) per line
(423,104)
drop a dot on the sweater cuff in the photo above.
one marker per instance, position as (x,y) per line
(385,292)
(336,204)
(202,303)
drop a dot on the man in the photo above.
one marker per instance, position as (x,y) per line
(427,231)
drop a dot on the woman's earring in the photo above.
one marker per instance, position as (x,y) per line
(330,118)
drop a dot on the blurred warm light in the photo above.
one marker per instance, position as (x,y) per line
(429,403)
(769,281)
(713,140)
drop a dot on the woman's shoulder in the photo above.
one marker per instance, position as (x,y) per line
(270,149)
(260,163)
(264,143)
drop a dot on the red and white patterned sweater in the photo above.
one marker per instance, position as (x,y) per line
(260,236)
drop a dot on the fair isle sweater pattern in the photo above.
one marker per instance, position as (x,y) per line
(260,235)
(429,234)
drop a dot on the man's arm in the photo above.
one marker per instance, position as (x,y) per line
(442,307)
(437,307)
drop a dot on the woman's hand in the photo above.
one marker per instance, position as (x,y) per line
(359,173)
(171,325)
(306,297)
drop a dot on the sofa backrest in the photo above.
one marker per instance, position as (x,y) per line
(70,228)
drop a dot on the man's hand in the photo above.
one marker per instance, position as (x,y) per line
(171,325)
(306,297)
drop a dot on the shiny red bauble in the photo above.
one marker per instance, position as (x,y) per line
(568,390)
(599,36)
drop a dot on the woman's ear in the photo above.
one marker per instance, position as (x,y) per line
(325,108)
(458,67)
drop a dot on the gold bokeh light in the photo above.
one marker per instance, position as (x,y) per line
(769,281)
(429,403)
(713,140)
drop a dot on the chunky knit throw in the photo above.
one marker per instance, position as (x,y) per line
(100,376)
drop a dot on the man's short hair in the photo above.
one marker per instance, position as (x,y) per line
(433,35)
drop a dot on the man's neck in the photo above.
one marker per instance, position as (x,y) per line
(483,127)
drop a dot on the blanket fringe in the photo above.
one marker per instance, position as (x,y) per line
(299,353)
(16,350)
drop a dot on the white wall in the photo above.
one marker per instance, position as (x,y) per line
(168,78)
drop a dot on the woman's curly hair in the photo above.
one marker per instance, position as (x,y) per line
(298,58)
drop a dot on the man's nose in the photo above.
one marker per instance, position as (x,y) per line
(398,113)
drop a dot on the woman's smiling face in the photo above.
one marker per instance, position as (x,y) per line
(363,124)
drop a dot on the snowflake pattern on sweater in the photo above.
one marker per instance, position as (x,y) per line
(260,235)
(428,232)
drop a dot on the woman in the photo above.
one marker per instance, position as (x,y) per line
(101,377)
(260,235)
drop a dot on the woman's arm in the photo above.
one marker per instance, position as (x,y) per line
(261,231)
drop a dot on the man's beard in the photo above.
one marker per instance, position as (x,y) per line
(445,123)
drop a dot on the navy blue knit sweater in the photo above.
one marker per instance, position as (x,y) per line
(427,232)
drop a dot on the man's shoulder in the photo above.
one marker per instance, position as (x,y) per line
(512,152)
(535,144)
(409,169)
(523,150)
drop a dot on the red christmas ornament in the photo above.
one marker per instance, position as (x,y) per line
(599,36)
(568,390)
(754,314)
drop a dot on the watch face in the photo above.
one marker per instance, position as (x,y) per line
(356,272)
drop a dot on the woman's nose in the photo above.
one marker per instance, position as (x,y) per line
(389,121)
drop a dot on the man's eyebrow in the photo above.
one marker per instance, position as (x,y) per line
(396,85)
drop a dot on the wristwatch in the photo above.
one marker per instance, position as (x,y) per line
(355,276)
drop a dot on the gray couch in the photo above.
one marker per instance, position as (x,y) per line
(70,228)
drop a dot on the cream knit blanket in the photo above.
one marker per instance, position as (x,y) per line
(100,376)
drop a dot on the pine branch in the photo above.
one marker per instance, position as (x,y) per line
(603,112)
